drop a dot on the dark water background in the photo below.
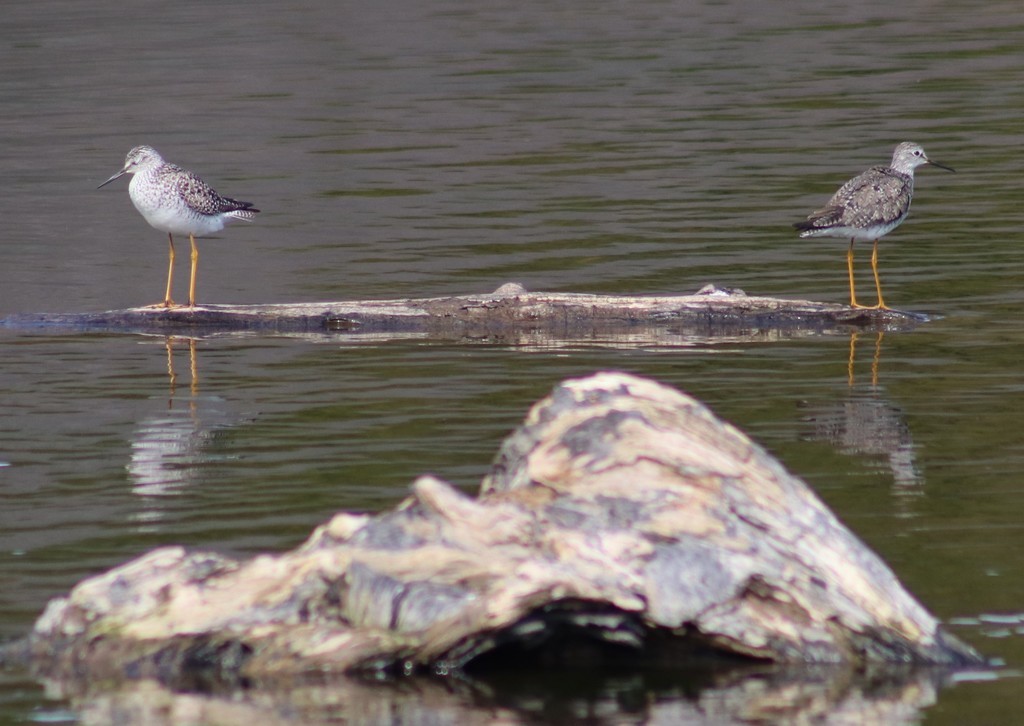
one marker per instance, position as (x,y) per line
(422,149)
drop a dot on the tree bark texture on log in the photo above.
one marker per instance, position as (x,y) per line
(621,513)
(510,309)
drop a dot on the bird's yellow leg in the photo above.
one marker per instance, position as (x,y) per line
(849,267)
(878,285)
(192,279)
(168,303)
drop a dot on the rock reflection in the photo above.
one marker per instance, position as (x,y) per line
(670,696)
(866,422)
(169,446)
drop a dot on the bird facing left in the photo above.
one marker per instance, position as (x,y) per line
(176,201)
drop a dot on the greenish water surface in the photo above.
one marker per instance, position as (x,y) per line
(408,149)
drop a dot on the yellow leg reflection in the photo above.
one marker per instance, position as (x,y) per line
(169,445)
(866,423)
(169,344)
(875,360)
(193,366)
(852,358)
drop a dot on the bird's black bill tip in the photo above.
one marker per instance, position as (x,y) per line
(118,175)
(942,166)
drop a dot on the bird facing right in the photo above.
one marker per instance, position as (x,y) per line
(868,207)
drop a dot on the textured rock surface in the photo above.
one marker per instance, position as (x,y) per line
(621,513)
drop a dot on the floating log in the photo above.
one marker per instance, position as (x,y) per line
(622,522)
(508,310)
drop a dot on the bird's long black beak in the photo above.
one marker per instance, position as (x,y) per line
(118,175)
(942,166)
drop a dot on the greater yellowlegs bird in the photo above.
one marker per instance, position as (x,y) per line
(868,207)
(177,201)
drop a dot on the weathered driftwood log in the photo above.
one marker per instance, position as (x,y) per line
(622,513)
(508,310)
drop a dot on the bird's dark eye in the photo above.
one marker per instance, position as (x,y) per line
(917,153)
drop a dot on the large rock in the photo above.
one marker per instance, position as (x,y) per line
(622,520)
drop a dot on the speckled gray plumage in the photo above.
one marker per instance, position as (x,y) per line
(198,195)
(878,198)
(871,204)
(176,201)
(162,184)
(868,207)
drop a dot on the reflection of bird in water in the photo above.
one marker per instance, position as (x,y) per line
(169,447)
(868,207)
(866,423)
